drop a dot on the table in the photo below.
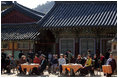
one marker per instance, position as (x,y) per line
(75,67)
(107,69)
(29,66)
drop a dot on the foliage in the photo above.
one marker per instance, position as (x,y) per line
(44,8)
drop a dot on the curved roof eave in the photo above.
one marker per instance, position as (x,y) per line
(29,12)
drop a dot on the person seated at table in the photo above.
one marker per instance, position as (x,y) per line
(36,60)
(79,59)
(61,61)
(111,61)
(43,64)
(88,67)
(72,59)
(22,61)
(12,62)
(65,56)
(54,63)
(29,59)
(83,60)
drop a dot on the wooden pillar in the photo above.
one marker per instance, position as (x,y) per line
(56,35)
(29,45)
(34,47)
(57,46)
(97,43)
(76,47)
(13,49)
(97,49)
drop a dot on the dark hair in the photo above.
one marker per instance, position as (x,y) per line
(69,50)
(8,57)
(89,50)
(36,55)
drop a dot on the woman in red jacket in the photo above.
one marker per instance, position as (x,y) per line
(36,60)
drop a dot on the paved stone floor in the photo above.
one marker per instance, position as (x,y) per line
(46,74)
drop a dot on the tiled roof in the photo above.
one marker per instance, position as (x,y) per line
(81,13)
(6,3)
(19,32)
(29,12)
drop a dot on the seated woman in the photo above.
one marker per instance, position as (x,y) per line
(22,61)
(88,67)
(61,61)
(111,61)
(36,60)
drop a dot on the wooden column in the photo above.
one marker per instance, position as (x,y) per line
(13,49)
(96,44)
(57,46)
(29,45)
(97,41)
(97,48)
(56,35)
(76,47)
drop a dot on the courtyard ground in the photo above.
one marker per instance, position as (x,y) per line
(46,74)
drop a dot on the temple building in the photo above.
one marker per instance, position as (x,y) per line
(18,29)
(69,25)
(79,26)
